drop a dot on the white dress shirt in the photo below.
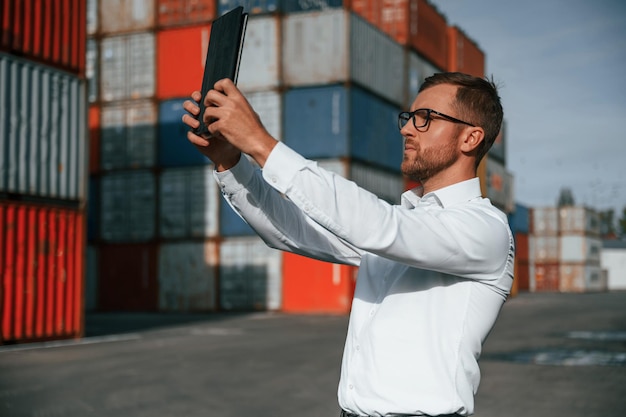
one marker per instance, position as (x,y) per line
(434,273)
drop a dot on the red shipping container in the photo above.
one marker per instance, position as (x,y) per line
(521,247)
(181,48)
(311,286)
(390,16)
(429,33)
(522,269)
(546,277)
(41,264)
(94,139)
(185,12)
(463,54)
(128,277)
(52,32)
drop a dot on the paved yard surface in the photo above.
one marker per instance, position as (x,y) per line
(549,355)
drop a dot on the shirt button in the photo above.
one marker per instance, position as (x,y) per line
(371,313)
(358,347)
(274,179)
(351,386)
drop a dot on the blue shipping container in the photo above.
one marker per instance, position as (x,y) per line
(174,150)
(249,6)
(340,121)
(519,220)
(310,5)
(230,222)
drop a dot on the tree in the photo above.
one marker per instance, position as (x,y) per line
(607,224)
(566,198)
(622,223)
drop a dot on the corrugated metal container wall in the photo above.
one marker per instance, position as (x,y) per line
(614,261)
(42,131)
(187,276)
(48,32)
(93,210)
(94,139)
(544,249)
(128,135)
(127,67)
(544,277)
(499,186)
(174,150)
(544,221)
(188,203)
(339,46)
(185,12)
(519,219)
(249,6)
(250,275)
(522,249)
(230,224)
(463,53)
(128,277)
(260,58)
(338,121)
(41,264)
(429,33)
(181,48)
(577,248)
(577,277)
(390,16)
(269,107)
(92,17)
(117,16)
(128,206)
(579,220)
(91,71)
(312,286)
(312,5)
(498,149)
(418,69)
(91,279)
(522,275)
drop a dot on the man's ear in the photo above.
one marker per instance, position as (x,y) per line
(472,137)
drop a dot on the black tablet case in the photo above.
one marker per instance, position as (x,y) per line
(223,54)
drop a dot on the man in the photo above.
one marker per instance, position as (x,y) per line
(434,270)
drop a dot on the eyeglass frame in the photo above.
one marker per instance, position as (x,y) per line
(411,115)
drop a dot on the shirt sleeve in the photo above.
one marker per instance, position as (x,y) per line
(279,222)
(464,241)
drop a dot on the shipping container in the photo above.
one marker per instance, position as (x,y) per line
(91,279)
(418,69)
(128,135)
(94,139)
(174,149)
(519,219)
(312,286)
(613,260)
(188,276)
(181,56)
(230,224)
(93,210)
(128,277)
(498,149)
(544,249)
(250,275)
(544,221)
(338,46)
(261,55)
(91,70)
(544,277)
(42,131)
(92,17)
(522,269)
(464,55)
(578,248)
(581,277)
(249,6)
(269,106)
(499,186)
(188,203)
(128,206)
(428,32)
(52,33)
(339,121)
(312,5)
(119,16)
(41,265)
(185,12)
(392,17)
(522,248)
(579,220)
(127,67)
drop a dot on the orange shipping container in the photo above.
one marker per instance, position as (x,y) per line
(545,277)
(311,286)
(50,32)
(94,139)
(521,247)
(522,275)
(41,264)
(185,12)
(181,48)
(464,55)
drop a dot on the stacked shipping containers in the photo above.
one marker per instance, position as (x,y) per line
(316,72)
(42,171)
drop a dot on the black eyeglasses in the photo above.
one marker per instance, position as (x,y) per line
(421,117)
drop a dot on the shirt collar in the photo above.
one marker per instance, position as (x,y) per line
(448,196)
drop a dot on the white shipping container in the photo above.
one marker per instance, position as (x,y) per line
(576,277)
(579,220)
(338,46)
(544,221)
(127,67)
(268,105)
(577,248)
(260,58)
(128,206)
(126,15)
(128,135)
(188,203)
(614,261)
(42,131)
(543,249)
(187,276)
(250,275)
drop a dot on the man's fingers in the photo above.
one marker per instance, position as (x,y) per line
(196,96)
(191,107)
(197,140)
(190,121)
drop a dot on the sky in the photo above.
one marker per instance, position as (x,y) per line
(561,69)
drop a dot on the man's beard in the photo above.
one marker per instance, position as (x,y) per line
(426,164)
